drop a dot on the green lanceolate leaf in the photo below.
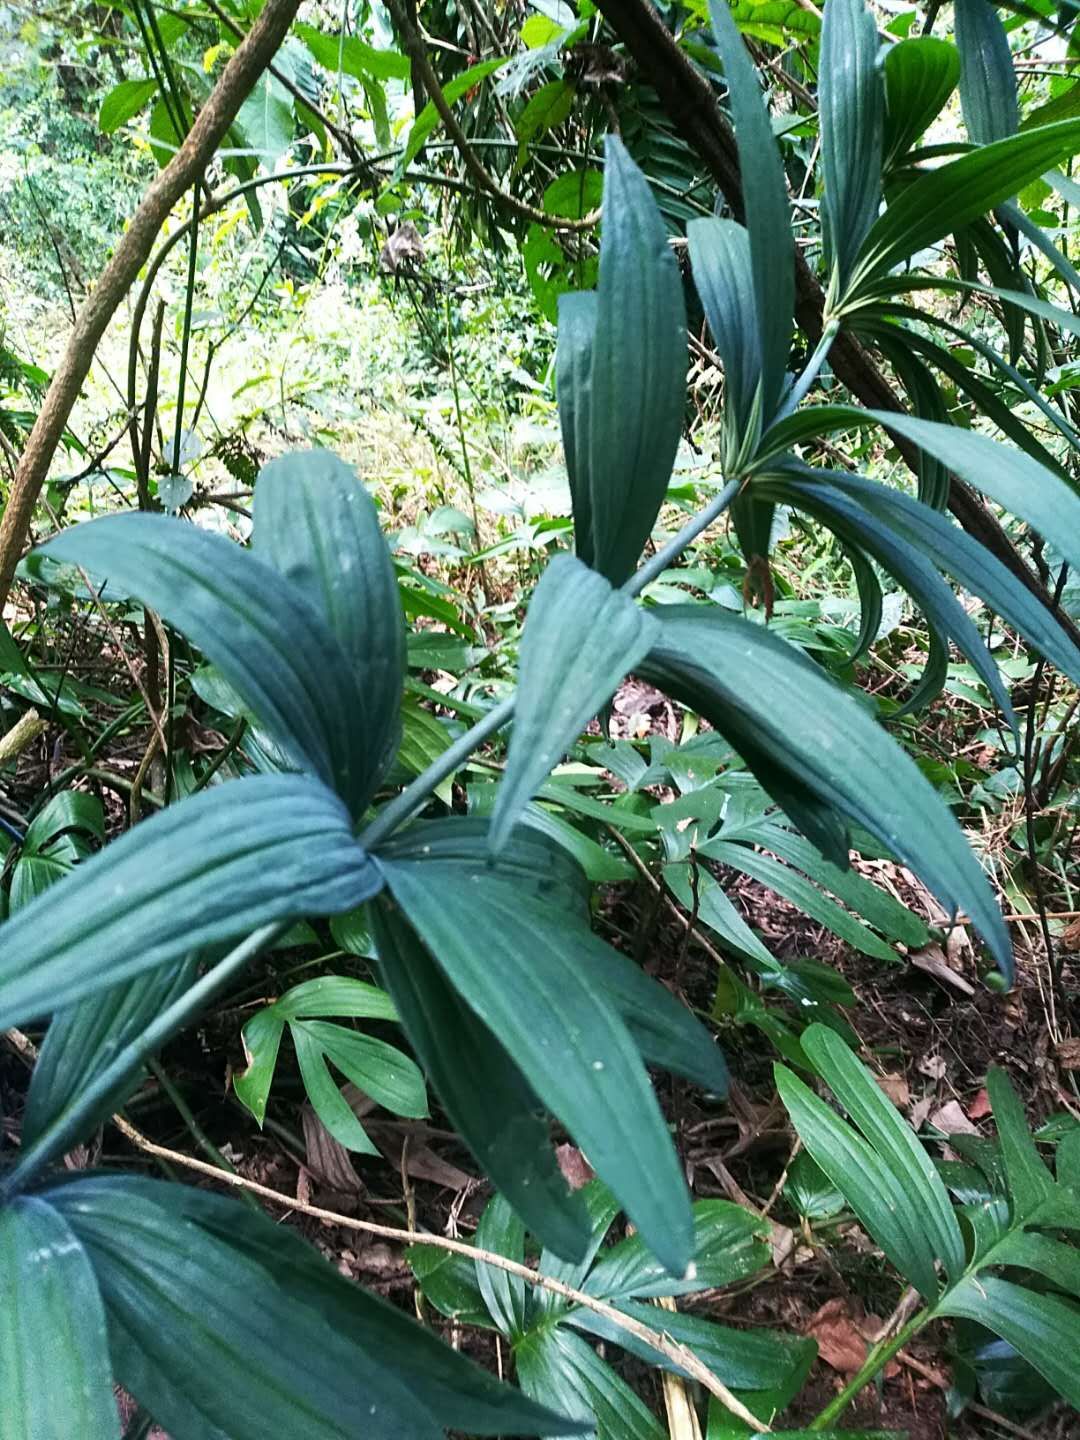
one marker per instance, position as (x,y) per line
(221,1323)
(915,573)
(749,683)
(884,1128)
(56,840)
(941,200)
(518,965)
(745,1360)
(317,524)
(573,383)
(374,1067)
(867,1183)
(768,216)
(794,887)
(561,1368)
(875,905)
(502,1232)
(987,78)
(664,1030)
(211,868)
(580,639)
(852,117)
(429,118)
(1015,481)
(123,101)
(920,75)
(602,1208)
(353,56)
(482,1090)
(262,633)
(84,1038)
(627,416)
(967,562)
(12,661)
(1029,1181)
(729,1245)
(1044,1328)
(1052,1259)
(55,1380)
(723,273)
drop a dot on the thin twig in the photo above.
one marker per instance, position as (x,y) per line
(679,1354)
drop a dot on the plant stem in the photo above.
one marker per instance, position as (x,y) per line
(82,1112)
(878,1358)
(658,563)
(403,806)
(813,365)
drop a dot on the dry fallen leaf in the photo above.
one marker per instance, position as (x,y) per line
(896,1088)
(951,1120)
(1068,1054)
(575,1168)
(931,960)
(979,1107)
(843,1341)
(327,1159)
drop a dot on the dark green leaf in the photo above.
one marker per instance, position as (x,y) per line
(580,639)
(275,1342)
(517,964)
(448,1281)
(1055,1261)
(487,1098)
(317,524)
(940,200)
(866,1182)
(742,1359)
(875,905)
(967,562)
(211,868)
(890,1135)
(664,1030)
(558,1367)
(852,117)
(942,609)
(1045,1329)
(627,415)
(1015,481)
(768,217)
(920,75)
(123,101)
(729,1244)
(573,382)
(987,78)
(502,1232)
(742,677)
(55,1380)
(84,1038)
(11,657)
(1029,1181)
(723,273)
(602,1208)
(794,887)
(264,636)
(353,56)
